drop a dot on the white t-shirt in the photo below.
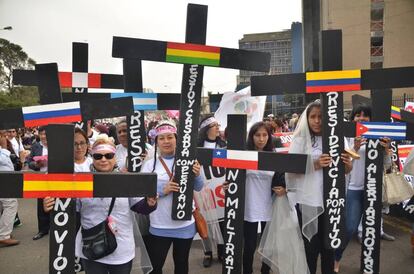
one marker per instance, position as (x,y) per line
(258,201)
(85,166)
(161,217)
(17,146)
(95,210)
(44,152)
(121,155)
(209,144)
(356,176)
(316,153)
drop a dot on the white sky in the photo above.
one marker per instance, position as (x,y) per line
(46,29)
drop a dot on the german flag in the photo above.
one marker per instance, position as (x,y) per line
(326,81)
(193,54)
(395,112)
(57,185)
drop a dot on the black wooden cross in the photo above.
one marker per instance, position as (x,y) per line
(194,54)
(341,81)
(232,159)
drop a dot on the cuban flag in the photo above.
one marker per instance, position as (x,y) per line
(239,159)
(142,101)
(53,113)
(375,130)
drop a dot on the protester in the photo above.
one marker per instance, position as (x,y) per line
(307,190)
(81,145)
(92,211)
(37,161)
(165,231)
(209,137)
(121,153)
(258,201)
(8,206)
(356,180)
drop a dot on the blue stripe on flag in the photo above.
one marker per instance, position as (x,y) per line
(145,107)
(134,95)
(53,113)
(333,82)
(220,153)
(385,135)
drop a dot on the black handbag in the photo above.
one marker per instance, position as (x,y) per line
(99,241)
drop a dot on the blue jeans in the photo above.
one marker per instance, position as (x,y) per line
(354,207)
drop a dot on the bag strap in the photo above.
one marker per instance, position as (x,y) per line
(111,206)
(166,168)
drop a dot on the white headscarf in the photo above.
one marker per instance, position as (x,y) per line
(305,187)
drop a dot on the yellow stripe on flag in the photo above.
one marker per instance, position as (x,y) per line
(193,54)
(331,75)
(60,185)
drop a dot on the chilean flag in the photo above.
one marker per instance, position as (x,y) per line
(239,159)
(375,130)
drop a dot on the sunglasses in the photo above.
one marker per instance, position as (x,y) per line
(108,156)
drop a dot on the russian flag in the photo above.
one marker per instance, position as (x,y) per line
(240,159)
(395,112)
(375,130)
(142,101)
(52,113)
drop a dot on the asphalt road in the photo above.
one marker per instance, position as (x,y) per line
(31,257)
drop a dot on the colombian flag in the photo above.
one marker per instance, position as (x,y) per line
(52,113)
(57,185)
(326,81)
(193,54)
(395,112)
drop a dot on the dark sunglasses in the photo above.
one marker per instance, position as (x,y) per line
(108,156)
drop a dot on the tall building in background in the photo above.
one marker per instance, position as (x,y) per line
(375,33)
(285,48)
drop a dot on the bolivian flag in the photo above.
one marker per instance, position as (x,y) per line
(193,54)
(326,81)
(57,185)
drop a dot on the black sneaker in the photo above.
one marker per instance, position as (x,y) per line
(208,259)
(17,222)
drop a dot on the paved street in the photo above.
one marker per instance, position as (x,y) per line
(32,256)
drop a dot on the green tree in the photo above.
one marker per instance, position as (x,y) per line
(12,57)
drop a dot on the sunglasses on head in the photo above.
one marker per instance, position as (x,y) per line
(98,156)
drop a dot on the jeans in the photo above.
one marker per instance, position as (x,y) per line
(353,208)
(92,267)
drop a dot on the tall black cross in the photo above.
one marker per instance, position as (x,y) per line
(194,54)
(236,176)
(373,79)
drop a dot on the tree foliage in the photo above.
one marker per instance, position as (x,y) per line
(12,57)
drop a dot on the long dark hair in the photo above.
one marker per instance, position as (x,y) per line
(359,109)
(314,104)
(84,135)
(252,132)
(202,135)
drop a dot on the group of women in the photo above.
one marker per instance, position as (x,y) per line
(288,207)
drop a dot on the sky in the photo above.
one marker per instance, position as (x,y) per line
(46,29)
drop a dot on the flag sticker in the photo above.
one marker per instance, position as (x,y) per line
(57,185)
(192,54)
(395,112)
(235,159)
(142,101)
(375,130)
(326,81)
(52,113)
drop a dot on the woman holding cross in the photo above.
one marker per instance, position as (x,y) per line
(165,231)
(307,190)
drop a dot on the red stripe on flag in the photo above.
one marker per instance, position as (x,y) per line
(94,80)
(193,47)
(58,194)
(317,89)
(58,177)
(241,164)
(65,79)
(54,120)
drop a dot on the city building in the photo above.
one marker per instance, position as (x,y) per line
(285,48)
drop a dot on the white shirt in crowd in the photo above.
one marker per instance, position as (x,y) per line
(17,146)
(258,201)
(121,155)
(44,152)
(85,166)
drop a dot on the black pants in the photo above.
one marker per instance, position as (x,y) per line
(92,267)
(316,247)
(43,218)
(220,247)
(158,250)
(250,243)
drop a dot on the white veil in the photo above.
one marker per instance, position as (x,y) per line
(282,246)
(304,189)
(141,262)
